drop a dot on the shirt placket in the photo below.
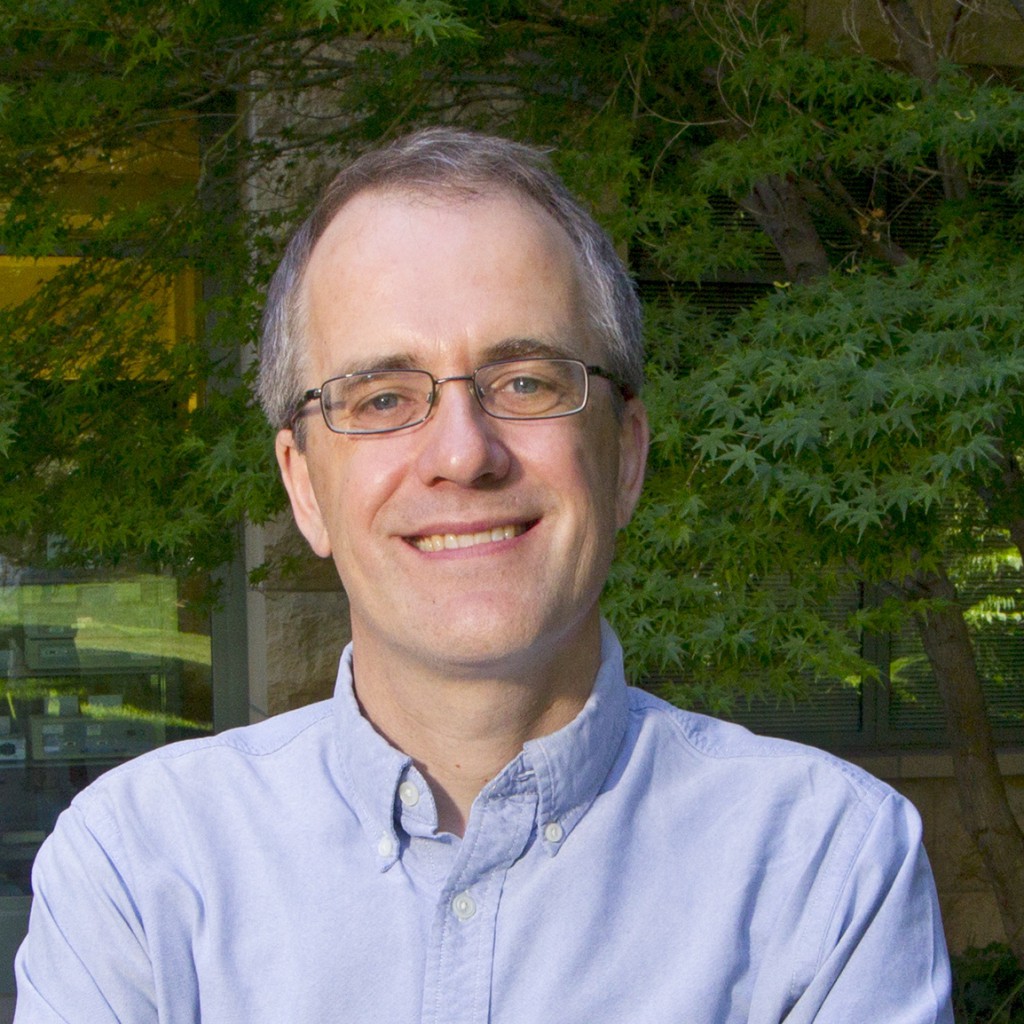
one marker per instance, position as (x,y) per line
(460,955)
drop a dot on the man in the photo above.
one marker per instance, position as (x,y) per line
(485,824)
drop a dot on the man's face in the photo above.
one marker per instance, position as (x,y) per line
(427,283)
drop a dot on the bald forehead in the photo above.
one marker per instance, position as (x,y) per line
(358,213)
(383,244)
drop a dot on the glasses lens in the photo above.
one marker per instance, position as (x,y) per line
(366,403)
(525,389)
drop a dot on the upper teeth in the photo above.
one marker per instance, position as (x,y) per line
(449,541)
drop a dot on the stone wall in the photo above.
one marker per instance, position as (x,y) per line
(969,910)
(299,622)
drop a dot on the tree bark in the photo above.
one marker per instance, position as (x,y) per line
(777,204)
(913,39)
(922,55)
(984,805)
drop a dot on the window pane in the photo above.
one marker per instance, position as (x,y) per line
(94,669)
(830,712)
(992,605)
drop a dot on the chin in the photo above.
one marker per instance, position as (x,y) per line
(513,640)
(478,649)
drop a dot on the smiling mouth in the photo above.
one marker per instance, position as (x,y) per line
(452,541)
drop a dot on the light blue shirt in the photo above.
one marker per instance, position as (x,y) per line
(643,865)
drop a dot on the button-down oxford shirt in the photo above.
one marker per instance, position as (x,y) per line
(643,864)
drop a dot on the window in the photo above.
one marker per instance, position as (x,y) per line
(95,668)
(904,708)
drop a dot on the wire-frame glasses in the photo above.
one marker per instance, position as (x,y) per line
(380,401)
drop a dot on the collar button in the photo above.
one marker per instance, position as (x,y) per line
(553,832)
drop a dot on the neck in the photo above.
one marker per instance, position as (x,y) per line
(462,729)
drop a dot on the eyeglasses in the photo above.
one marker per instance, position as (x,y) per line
(380,401)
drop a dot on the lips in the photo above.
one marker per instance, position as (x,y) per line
(454,541)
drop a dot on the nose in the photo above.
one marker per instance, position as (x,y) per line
(461,443)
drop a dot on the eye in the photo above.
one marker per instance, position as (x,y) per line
(384,402)
(532,388)
(519,384)
(524,385)
(378,401)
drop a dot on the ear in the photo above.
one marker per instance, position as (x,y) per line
(634,439)
(305,507)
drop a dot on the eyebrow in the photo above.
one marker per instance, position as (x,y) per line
(527,348)
(509,348)
(397,361)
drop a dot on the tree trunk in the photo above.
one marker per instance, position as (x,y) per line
(782,212)
(914,40)
(984,806)
(922,55)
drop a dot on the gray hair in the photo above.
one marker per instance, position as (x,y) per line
(440,161)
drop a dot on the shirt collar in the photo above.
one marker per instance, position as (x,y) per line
(371,768)
(571,765)
(567,767)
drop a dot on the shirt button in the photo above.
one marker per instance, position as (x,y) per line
(463,906)
(553,832)
(386,846)
(409,794)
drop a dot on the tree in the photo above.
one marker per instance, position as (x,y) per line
(867,417)
(125,163)
(857,423)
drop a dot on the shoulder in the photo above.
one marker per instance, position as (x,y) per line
(237,760)
(773,801)
(709,747)
(249,741)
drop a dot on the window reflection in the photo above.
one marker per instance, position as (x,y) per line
(94,669)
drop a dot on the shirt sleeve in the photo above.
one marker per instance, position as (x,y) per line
(85,957)
(881,953)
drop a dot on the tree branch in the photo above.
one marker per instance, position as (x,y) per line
(781,210)
(912,38)
(916,43)
(954,25)
(861,228)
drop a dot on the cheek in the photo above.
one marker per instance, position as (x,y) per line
(591,475)
(590,450)
(351,488)
(601,457)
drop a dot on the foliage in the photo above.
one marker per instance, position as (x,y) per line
(988,987)
(880,411)
(854,430)
(860,429)
(126,425)
(715,609)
